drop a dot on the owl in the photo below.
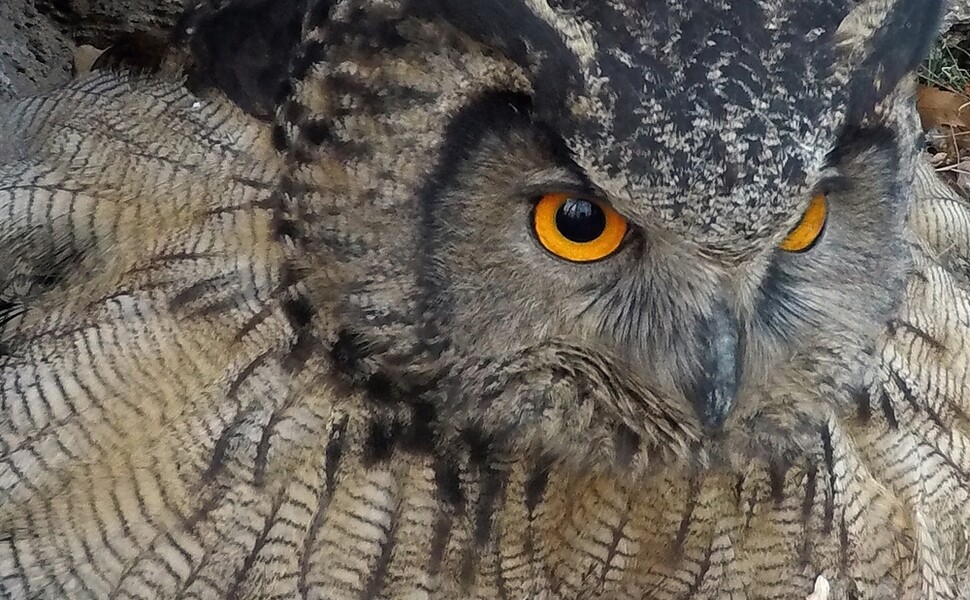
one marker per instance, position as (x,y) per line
(503,299)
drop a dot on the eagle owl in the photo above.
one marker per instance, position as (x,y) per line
(551,299)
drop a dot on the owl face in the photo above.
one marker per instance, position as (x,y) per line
(675,213)
(528,249)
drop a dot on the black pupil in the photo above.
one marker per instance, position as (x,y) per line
(580,221)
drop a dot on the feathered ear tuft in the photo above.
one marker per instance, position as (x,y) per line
(518,30)
(882,42)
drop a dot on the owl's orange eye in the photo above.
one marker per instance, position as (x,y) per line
(578,229)
(810,228)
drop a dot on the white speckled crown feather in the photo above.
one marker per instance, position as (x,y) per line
(690,111)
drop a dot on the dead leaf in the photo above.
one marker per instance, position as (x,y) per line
(962,171)
(84,58)
(939,107)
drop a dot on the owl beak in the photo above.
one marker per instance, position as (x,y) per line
(713,389)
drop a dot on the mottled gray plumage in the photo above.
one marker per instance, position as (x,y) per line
(290,333)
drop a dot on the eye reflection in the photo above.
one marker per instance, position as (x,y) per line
(580,221)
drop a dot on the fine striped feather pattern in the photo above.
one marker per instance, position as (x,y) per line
(165,432)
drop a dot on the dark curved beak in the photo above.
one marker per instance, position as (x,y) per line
(713,387)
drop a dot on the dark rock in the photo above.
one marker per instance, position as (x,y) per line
(38,37)
(35,54)
(101,22)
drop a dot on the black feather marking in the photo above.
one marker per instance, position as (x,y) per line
(299,312)
(316,132)
(627,444)
(693,491)
(420,436)
(492,483)
(279,138)
(381,440)
(448,485)
(253,555)
(439,542)
(263,448)
(381,388)
(249,369)
(195,291)
(863,404)
(808,503)
(220,451)
(379,571)
(300,351)
(334,452)
(829,461)
(886,403)
(895,325)
(253,322)
(776,478)
(284,228)
(350,349)
(479,446)
(312,53)
(702,571)
(536,484)
(908,394)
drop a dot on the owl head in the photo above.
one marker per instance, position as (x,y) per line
(614,230)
